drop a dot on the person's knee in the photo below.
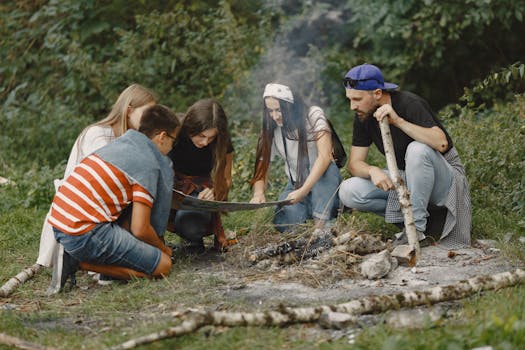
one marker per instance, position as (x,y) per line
(192,226)
(281,228)
(349,192)
(417,152)
(288,216)
(164,266)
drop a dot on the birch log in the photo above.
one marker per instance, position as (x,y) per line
(21,343)
(26,274)
(402,191)
(371,304)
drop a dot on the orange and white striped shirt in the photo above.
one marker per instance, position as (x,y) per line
(95,192)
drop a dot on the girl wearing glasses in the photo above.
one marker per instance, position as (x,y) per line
(302,137)
(125,114)
(202,160)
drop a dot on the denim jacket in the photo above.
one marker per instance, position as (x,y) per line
(138,157)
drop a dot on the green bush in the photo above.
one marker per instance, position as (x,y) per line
(491,144)
(63,63)
(433,48)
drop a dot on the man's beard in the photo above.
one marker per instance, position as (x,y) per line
(366,116)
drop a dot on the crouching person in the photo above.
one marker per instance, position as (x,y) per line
(130,177)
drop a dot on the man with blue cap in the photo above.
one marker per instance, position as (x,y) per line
(425,155)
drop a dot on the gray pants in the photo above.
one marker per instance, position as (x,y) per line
(429,178)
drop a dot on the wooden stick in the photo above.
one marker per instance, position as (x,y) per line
(402,191)
(21,343)
(371,304)
(26,274)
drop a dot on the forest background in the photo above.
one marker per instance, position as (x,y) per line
(64,62)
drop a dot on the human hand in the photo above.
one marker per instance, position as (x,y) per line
(296,196)
(206,194)
(258,198)
(389,112)
(167,250)
(380,179)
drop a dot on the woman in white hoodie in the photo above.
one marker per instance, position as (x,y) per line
(124,115)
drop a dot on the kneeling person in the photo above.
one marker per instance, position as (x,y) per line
(133,172)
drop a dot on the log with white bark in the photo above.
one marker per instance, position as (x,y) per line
(13,283)
(195,320)
(21,343)
(402,191)
(3,181)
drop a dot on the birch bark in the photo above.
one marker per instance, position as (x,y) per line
(402,192)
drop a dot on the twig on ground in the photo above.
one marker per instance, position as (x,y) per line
(21,343)
(26,274)
(371,304)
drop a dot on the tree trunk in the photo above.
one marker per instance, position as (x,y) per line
(26,274)
(323,314)
(402,191)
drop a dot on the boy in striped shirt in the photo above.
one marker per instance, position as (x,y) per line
(130,174)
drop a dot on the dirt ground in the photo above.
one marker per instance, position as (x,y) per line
(318,281)
(308,284)
(265,286)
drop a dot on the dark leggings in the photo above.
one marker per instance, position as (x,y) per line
(193,225)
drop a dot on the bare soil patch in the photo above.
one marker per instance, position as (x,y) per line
(325,279)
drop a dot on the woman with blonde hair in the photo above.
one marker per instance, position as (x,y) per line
(202,160)
(125,114)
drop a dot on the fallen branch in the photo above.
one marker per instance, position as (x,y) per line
(21,343)
(26,274)
(322,314)
(402,192)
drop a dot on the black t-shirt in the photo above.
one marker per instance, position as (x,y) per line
(408,106)
(191,160)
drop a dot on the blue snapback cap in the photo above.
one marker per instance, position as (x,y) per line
(366,77)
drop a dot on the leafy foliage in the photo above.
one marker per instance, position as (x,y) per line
(496,166)
(505,82)
(64,63)
(434,48)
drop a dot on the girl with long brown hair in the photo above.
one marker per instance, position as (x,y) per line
(202,160)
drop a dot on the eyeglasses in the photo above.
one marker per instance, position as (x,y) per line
(352,83)
(171,137)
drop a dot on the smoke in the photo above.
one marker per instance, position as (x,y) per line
(295,57)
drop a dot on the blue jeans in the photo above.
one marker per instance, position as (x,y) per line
(321,203)
(428,176)
(110,244)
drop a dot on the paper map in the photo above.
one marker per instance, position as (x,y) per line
(183,201)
